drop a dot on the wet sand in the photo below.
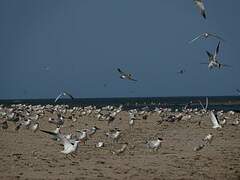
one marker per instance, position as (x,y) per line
(28,155)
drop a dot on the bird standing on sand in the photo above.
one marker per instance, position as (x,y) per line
(126,76)
(200,6)
(154,144)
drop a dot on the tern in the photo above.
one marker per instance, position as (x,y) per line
(200,6)
(208,138)
(213,61)
(63,94)
(206,35)
(214,121)
(124,75)
(114,134)
(68,146)
(181,71)
(154,144)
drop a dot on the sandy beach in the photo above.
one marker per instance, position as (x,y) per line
(28,155)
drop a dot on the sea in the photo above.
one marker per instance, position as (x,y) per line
(225,103)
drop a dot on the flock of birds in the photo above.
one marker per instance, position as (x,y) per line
(29,116)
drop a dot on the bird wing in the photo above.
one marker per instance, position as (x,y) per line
(206,105)
(200,5)
(225,65)
(120,71)
(65,141)
(217,50)
(216,36)
(214,120)
(196,38)
(69,95)
(58,97)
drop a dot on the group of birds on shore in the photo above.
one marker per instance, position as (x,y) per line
(31,116)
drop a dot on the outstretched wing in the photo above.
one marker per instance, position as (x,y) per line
(69,95)
(58,97)
(216,36)
(214,120)
(217,50)
(120,71)
(196,38)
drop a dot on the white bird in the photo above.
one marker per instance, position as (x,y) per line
(214,121)
(206,105)
(200,6)
(63,94)
(99,144)
(114,134)
(68,146)
(154,144)
(213,61)
(124,75)
(208,138)
(206,35)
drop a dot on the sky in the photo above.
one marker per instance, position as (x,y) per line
(49,46)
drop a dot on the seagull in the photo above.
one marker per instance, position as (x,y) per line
(200,6)
(213,61)
(68,146)
(154,144)
(124,75)
(63,94)
(206,35)
(214,121)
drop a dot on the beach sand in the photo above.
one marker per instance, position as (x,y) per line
(28,155)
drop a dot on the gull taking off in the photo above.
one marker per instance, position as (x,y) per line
(200,6)
(62,95)
(68,146)
(126,76)
(206,35)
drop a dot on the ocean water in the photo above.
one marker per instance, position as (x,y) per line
(225,103)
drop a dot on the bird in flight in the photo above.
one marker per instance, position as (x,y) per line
(126,76)
(213,61)
(206,35)
(62,95)
(200,6)
(181,71)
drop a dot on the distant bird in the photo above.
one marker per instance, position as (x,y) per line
(63,94)
(238,91)
(206,35)
(126,76)
(154,144)
(200,6)
(121,150)
(68,146)
(215,121)
(114,134)
(181,71)
(213,61)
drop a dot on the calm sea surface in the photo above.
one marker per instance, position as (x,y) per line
(219,103)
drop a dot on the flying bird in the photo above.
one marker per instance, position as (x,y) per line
(200,6)
(206,35)
(181,71)
(213,61)
(69,147)
(126,76)
(62,95)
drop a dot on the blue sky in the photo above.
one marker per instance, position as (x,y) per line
(52,45)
